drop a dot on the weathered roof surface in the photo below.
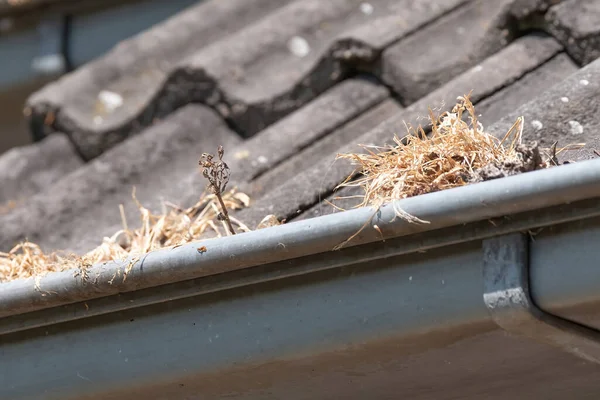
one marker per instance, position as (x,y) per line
(253,62)
(25,171)
(285,86)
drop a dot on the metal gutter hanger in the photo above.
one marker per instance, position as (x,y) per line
(508,298)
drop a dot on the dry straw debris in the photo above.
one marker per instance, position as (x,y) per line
(455,153)
(173,227)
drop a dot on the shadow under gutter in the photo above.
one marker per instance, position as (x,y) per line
(293,295)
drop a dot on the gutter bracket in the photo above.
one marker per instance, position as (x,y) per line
(508,299)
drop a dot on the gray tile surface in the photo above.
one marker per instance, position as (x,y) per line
(28,169)
(76,212)
(252,73)
(441,51)
(576,23)
(285,86)
(496,72)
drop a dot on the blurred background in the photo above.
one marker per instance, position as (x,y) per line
(42,39)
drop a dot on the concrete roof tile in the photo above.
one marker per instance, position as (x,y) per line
(576,23)
(251,73)
(501,69)
(81,208)
(285,86)
(28,169)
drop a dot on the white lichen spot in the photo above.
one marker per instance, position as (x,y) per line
(564,99)
(575,128)
(366,8)
(98,120)
(110,100)
(262,159)
(537,125)
(241,155)
(298,46)
(478,68)
(584,82)
(410,278)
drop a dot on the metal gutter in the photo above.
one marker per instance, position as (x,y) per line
(222,335)
(523,193)
(264,304)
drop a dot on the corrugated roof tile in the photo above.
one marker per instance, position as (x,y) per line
(286,73)
(576,23)
(567,112)
(490,110)
(28,169)
(441,51)
(77,211)
(135,70)
(250,75)
(527,88)
(502,68)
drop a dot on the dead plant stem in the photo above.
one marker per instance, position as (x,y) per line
(224,212)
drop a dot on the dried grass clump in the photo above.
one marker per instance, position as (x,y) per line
(173,227)
(26,260)
(456,153)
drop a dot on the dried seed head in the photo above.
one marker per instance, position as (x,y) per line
(217,174)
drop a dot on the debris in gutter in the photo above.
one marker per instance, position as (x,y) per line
(455,153)
(269,221)
(171,228)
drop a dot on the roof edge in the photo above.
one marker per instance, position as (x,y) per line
(449,208)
